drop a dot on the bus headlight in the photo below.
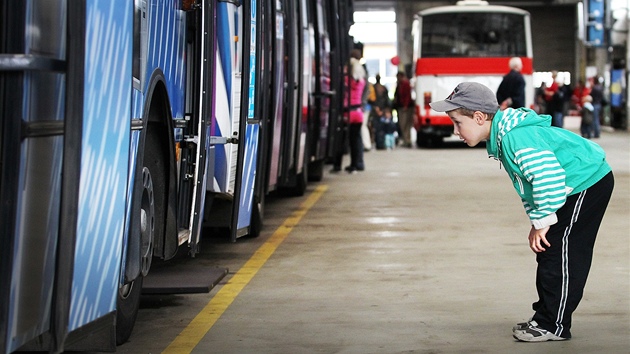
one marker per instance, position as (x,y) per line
(427,99)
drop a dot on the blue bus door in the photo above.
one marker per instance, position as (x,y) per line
(200,104)
(293,173)
(246,218)
(41,100)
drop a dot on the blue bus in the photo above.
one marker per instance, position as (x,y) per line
(128,126)
(302,48)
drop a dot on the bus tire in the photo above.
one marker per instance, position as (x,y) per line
(257,220)
(301,183)
(435,141)
(297,190)
(147,221)
(127,308)
(421,140)
(128,302)
(316,170)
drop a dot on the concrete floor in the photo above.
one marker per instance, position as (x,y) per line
(424,252)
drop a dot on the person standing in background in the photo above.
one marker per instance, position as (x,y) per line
(577,94)
(368,96)
(355,80)
(586,113)
(551,99)
(554,101)
(511,91)
(540,105)
(597,94)
(380,103)
(551,89)
(355,84)
(404,105)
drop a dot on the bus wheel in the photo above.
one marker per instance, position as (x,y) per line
(434,141)
(301,179)
(127,309)
(147,221)
(129,294)
(301,183)
(256,222)
(316,170)
(422,140)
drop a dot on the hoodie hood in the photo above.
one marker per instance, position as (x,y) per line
(509,119)
(545,164)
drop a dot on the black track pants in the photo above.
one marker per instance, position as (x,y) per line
(563,267)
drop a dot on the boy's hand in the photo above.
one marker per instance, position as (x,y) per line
(535,238)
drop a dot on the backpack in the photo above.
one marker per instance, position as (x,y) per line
(370,93)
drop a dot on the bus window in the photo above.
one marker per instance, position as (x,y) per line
(453,44)
(473,34)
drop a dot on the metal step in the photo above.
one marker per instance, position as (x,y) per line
(182,277)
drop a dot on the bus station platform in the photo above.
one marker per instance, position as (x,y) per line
(423,252)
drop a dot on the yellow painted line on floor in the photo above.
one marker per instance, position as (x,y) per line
(188,339)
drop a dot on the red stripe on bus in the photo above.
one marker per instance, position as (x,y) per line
(469,66)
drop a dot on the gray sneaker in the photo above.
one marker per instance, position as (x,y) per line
(532,333)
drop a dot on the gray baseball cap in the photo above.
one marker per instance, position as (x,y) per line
(469,95)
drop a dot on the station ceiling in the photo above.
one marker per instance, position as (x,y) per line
(360,5)
(554,24)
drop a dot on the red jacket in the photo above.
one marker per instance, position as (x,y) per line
(402,95)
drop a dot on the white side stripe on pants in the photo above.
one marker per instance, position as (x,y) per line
(565,263)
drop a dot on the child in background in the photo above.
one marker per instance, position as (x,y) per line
(389,128)
(587,112)
(564,183)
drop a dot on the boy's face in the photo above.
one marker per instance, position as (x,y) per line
(471,130)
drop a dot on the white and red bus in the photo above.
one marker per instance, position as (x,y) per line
(469,41)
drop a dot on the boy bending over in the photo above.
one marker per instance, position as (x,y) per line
(564,183)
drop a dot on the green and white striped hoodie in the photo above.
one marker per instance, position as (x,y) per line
(546,164)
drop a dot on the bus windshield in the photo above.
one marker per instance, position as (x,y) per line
(473,34)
